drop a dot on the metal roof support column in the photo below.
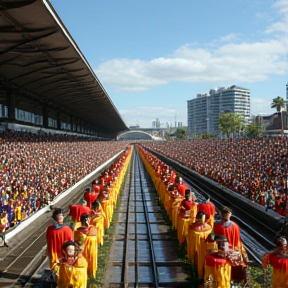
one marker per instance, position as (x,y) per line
(82,125)
(45,116)
(11,103)
(71,123)
(58,120)
(89,128)
(76,123)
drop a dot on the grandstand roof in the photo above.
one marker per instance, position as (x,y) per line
(39,59)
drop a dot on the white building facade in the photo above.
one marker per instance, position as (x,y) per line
(203,112)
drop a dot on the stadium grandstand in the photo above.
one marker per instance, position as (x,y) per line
(46,84)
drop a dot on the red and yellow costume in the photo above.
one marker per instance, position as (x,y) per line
(74,275)
(90,249)
(182,188)
(279,265)
(90,197)
(209,209)
(97,219)
(55,239)
(195,237)
(219,268)
(232,232)
(77,210)
(184,220)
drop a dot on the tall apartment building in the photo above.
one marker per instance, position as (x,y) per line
(198,114)
(203,112)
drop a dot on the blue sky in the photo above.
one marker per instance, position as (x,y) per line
(152,56)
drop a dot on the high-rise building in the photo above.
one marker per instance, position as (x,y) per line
(204,111)
(156,123)
(198,113)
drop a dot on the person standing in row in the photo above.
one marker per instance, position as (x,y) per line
(56,235)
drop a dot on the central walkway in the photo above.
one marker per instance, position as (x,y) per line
(144,249)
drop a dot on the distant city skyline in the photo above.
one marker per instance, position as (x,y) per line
(153,56)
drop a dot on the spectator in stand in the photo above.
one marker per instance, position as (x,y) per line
(250,167)
(34,169)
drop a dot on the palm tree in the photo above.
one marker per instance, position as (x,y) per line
(278,103)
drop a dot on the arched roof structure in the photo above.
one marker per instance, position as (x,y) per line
(135,135)
(42,65)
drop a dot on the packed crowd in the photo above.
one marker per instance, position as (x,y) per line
(72,244)
(255,168)
(214,247)
(35,169)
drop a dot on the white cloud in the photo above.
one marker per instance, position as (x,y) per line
(231,62)
(228,37)
(261,106)
(127,75)
(280,26)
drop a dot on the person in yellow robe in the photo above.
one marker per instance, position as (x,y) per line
(97,218)
(72,268)
(197,233)
(86,237)
(217,265)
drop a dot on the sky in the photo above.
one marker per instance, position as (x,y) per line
(152,56)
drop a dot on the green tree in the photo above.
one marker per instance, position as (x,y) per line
(167,134)
(253,130)
(278,103)
(230,123)
(180,133)
(207,136)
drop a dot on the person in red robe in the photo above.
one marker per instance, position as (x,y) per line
(56,235)
(76,210)
(228,228)
(181,186)
(188,203)
(209,209)
(96,186)
(278,259)
(90,196)
(231,231)
(187,213)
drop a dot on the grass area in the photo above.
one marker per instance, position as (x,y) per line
(103,251)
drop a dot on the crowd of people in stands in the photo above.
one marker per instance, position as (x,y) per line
(35,169)
(255,168)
